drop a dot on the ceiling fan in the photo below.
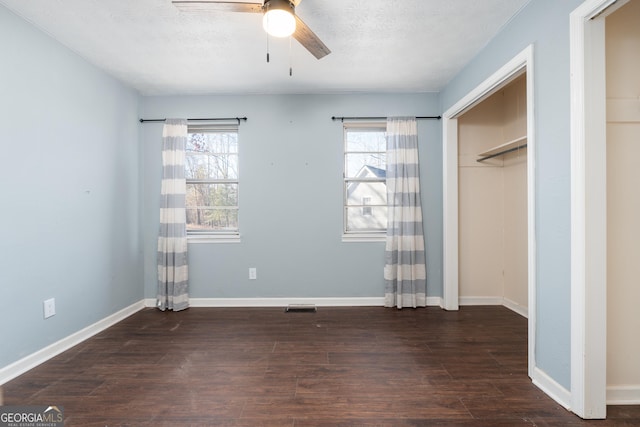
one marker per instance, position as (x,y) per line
(279,19)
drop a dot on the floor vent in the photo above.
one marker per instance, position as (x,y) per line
(300,308)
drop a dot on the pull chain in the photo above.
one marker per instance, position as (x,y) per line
(290,58)
(267,16)
(267,48)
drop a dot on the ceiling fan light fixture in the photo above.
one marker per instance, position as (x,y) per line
(278,20)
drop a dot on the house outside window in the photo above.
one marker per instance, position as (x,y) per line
(365,188)
(211,171)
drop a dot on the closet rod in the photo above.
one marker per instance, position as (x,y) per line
(500,153)
(342,119)
(215,119)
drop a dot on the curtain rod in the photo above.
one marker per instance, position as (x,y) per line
(226,119)
(342,119)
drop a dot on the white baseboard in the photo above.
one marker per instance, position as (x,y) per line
(435,302)
(551,388)
(514,306)
(506,302)
(21,366)
(480,300)
(283,302)
(623,395)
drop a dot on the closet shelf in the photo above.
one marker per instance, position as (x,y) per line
(505,148)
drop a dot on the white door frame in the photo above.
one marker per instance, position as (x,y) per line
(523,62)
(588,208)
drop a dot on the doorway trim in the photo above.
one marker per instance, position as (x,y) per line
(589,214)
(521,63)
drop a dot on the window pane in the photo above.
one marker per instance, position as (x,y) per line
(211,219)
(211,195)
(211,166)
(366,165)
(213,142)
(366,140)
(367,218)
(366,193)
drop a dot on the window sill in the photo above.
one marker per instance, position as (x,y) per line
(213,238)
(363,238)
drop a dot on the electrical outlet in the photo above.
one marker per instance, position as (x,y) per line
(253,273)
(49,308)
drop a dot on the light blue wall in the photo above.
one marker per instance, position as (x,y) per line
(80,183)
(545,24)
(291,196)
(69,184)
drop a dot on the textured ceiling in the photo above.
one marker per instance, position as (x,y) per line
(376,45)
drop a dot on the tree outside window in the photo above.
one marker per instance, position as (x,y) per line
(211,171)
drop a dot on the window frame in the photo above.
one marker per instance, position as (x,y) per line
(221,236)
(356,235)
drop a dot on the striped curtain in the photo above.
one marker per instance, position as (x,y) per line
(404,270)
(173,271)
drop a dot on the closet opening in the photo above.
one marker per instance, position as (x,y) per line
(492,200)
(622,52)
(490,133)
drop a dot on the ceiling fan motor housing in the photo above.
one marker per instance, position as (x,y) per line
(285,5)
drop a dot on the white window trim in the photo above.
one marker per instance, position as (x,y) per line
(364,237)
(233,236)
(358,236)
(213,238)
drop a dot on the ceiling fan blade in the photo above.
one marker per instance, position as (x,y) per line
(309,40)
(215,6)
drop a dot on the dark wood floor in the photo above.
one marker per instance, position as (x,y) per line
(336,367)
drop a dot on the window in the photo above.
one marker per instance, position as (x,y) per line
(366,209)
(211,171)
(365,188)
